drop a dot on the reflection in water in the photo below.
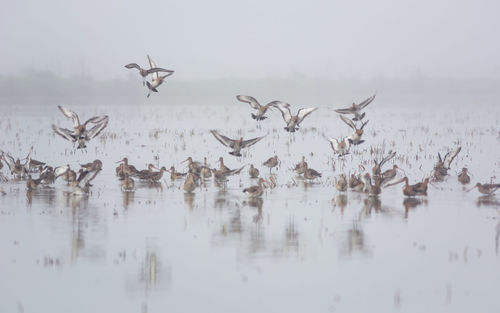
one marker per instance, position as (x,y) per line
(497,237)
(189,199)
(291,236)
(78,226)
(354,241)
(411,203)
(256,203)
(369,204)
(487,201)
(150,270)
(128,198)
(341,202)
(46,195)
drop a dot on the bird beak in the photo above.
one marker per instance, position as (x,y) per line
(471,189)
(119,161)
(185,160)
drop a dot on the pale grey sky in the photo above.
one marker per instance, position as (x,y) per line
(254,39)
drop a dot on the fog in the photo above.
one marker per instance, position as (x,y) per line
(361,39)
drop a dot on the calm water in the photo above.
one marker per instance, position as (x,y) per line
(302,247)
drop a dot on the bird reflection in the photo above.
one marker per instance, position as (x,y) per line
(488,200)
(256,203)
(354,241)
(78,225)
(291,236)
(45,195)
(128,198)
(341,202)
(150,270)
(411,203)
(189,199)
(497,237)
(369,204)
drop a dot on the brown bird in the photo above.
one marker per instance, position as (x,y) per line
(301,166)
(412,190)
(377,169)
(341,184)
(271,162)
(253,172)
(255,191)
(463,177)
(254,104)
(235,144)
(486,189)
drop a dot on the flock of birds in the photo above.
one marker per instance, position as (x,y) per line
(198,172)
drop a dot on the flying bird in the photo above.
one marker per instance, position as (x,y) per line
(354,139)
(157,79)
(356,109)
(80,133)
(145,72)
(236,145)
(292,121)
(340,147)
(254,104)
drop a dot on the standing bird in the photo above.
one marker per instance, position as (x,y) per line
(354,139)
(301,166)
(341,184)
(190,183)
(253,172)
(205,170)
(340,147)
(356,109)
(486,189)
(464,178)
(144,72)
(442,166)
(311,174)
(236,145)
(255,191)
(412,190)
(157,79)
(80,133)
(292,121)
(271,162)
(254,104)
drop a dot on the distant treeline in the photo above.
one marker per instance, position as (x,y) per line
(42,87)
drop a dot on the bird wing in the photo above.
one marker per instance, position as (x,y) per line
(228,142)
(347,143)
(334,143)
(250,100)
(133,65)
(70,114)
(248,143)
(453,156)
(10,161)
(363,104)
(97,129)
(345,111)
(89,177)
(64,132)
(96,119)
(387,158)
(153,65)
(58,171)
(159,69)
(302,113)
(364,124)
(348,122)
(284,109)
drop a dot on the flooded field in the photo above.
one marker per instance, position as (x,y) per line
(301,247)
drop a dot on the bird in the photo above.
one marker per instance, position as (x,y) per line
(92,166)
(16,168)
(253,172)
(292,121)
(311,174)
(256,190)
(190,183)
(440,170)
(156,176)
(31,183)
(157,79)
(354,139)
(205,169)
(464,178)
(341,184)
(227,171)
(175,175)
(356,109)
(412,190)
(80,133)
(371,189)
(301,166)
(271,162)
(340,147)
(65,172)
(144,72)
(236,145)
(486,189)
(254,104)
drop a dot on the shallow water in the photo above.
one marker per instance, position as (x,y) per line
(302,247)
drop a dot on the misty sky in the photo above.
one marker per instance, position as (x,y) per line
(254,39)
